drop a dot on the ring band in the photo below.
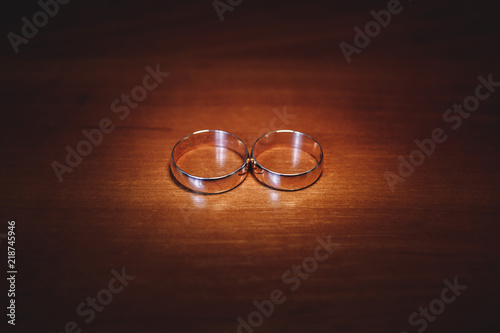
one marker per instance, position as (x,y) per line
(288,139)
(210,138)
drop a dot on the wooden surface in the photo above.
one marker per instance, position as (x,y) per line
(201,260)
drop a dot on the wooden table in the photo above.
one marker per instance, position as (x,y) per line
(200,261)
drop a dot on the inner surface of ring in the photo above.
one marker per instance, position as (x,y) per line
(210,154)
(287,152)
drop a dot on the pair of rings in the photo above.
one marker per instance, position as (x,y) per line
(220,139)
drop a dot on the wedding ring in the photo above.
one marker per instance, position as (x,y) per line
(290,181)
(220,141)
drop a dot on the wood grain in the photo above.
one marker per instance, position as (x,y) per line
(201,260)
